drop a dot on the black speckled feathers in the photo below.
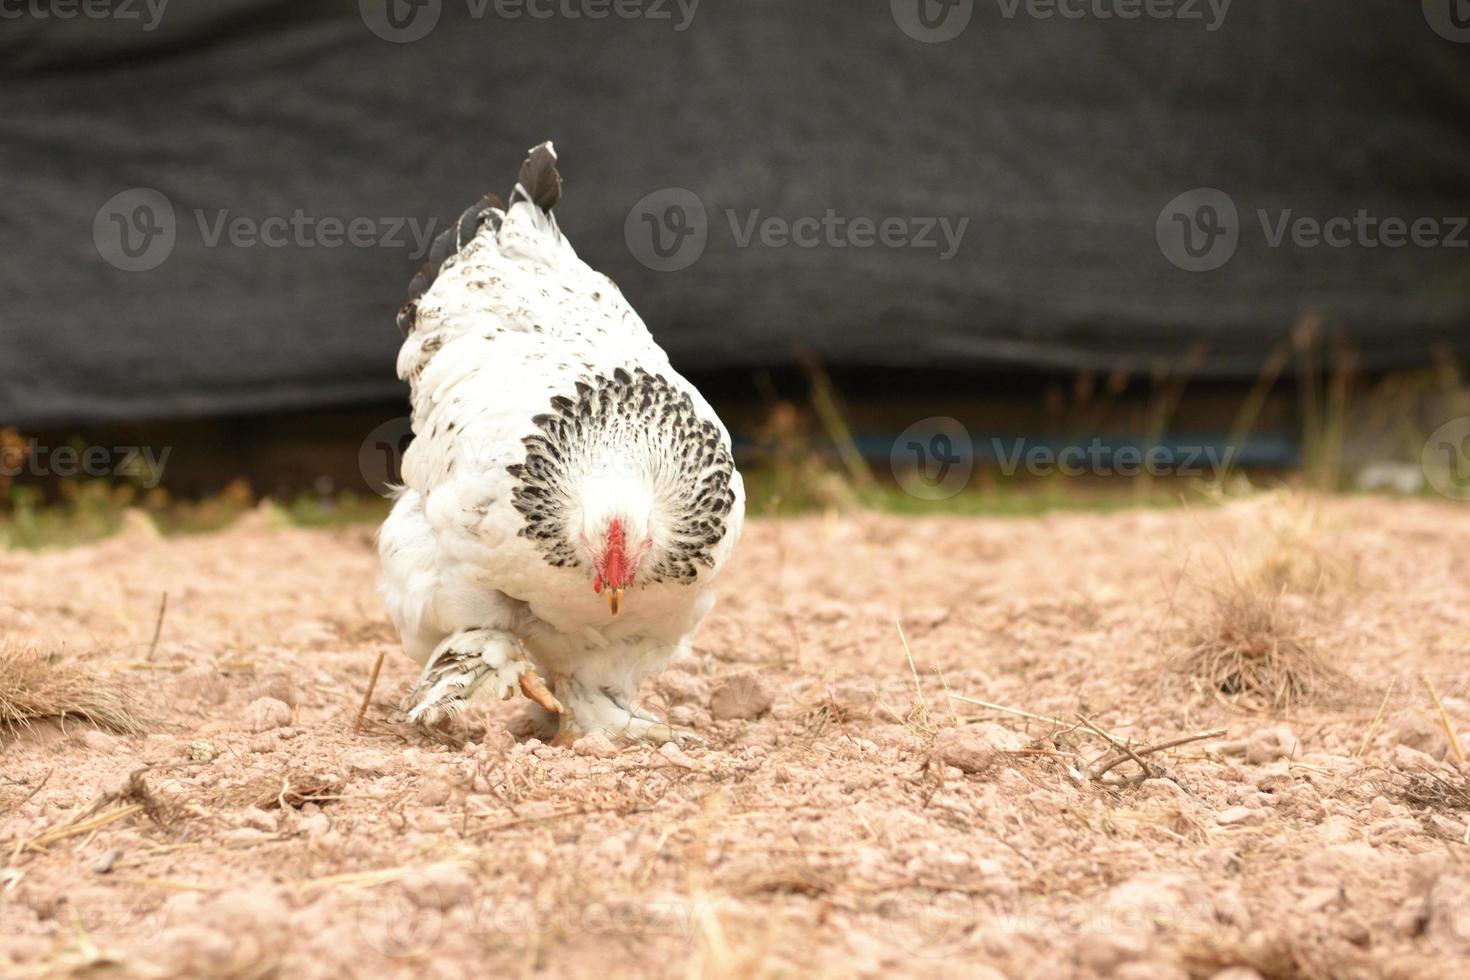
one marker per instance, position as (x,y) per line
(642,420)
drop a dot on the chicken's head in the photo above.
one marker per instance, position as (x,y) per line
(626,482)
(616,536)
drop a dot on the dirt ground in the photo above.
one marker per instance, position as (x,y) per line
(836,822)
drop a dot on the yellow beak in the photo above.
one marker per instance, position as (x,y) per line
(614,600)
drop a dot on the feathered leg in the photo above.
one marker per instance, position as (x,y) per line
(592,709)
(464,663)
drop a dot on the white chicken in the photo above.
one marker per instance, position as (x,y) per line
(568,499)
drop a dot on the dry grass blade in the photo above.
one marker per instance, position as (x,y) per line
(158,627)
(35,686)
(134,797)
(1444,720)
(1377,720)
(77,955)
(918,718)
(964,699)
(1428,790)
(97,822)
(367,695)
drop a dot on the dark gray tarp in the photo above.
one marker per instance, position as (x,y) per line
(1061,139)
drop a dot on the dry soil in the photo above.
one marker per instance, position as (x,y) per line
(836,822)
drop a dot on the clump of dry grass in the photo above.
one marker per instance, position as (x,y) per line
(290,788)
(1249,637)
(36,686)
(1248,644)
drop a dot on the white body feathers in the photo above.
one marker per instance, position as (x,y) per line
(513,321)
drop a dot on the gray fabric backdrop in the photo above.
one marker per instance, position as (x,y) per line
(1060,139)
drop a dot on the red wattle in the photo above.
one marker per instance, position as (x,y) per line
(615,571)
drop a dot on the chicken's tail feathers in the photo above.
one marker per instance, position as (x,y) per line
(539,182)
(538,186)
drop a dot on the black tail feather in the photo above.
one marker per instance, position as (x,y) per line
(538,183)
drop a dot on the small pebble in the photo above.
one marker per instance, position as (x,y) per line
(676,756)
(597,745)
(99,741)
(1270,744)
(743,696)
(104,863)
(975,748)
(1241,816)
(201,750)
(264,714)
(258,819)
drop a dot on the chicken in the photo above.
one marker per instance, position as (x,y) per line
(568,499)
